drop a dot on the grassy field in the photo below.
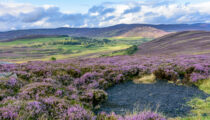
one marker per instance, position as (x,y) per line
(62,47)
(201,107)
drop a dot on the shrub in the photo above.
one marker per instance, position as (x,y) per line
(104,116)
(166,74)
(143,116)
(53,58)
(78,113)
(132,50)
(36,90)
(94,97)
(55,107)
(8,113)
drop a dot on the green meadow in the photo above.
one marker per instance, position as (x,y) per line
(63,47)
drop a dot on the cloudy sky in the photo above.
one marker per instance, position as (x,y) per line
(26,14)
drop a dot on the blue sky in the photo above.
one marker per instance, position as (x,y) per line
(26,14)
(84,5)
(70,5)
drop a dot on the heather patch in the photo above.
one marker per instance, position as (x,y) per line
(53,88)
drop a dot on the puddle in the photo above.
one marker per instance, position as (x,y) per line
(166,98)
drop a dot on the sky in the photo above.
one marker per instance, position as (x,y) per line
(29,14)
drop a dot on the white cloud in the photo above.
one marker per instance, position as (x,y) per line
(15,8)
(66,25)
(42,23)
(24,16)
(48,6)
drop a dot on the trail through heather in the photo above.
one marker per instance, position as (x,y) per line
(166,98)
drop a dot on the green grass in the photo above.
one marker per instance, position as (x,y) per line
(24,50)
(130,40)
(126,38)
(205,86)
(129,51)
(32,41)
(201,108)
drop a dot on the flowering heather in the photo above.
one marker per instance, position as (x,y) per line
(36,90)
(35,106)
(8,113)
(59,93)
(12,82)
(60,89)
(78,113)
(143,116)
(139,116)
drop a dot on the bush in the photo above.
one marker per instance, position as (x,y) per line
(53,58)
(78,113)
(144,116)
(166,75)
(36,90)
(104,116)
(132,50)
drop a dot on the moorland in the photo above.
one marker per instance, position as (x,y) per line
(101,73)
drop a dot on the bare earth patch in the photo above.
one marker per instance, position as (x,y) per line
(166,98)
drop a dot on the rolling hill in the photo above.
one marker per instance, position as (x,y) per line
(187,42)
(112,31)
(145,32)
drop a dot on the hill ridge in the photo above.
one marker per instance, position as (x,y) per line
(110,31)
(186,42)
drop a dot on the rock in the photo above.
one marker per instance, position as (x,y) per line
(7,74)
(1,63)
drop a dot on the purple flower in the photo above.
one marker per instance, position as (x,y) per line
(59,93)
(78,113)
(119,78)
(35,106)
(12,81)
(143,116)
(197,76)
(8,113)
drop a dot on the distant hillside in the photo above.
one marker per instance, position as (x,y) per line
(183,27)
(188,42)
(146,32)
(117,30)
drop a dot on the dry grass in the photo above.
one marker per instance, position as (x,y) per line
(146,79)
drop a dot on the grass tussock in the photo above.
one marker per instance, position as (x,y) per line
(146,79)
(205,86)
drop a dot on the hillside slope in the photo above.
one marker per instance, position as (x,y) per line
(145,32)
(112,31)
(187,42)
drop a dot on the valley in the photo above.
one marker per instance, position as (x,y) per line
(60,47)
(122,72)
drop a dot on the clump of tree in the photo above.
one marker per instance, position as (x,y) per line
(131,50)
(53,58)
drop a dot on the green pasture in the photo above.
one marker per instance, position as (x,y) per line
(201,107)
(61,47)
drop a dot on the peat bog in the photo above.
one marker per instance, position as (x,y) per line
(166,98)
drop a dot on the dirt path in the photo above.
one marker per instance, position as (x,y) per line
(166,98)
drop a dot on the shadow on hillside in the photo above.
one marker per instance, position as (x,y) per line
(168,99)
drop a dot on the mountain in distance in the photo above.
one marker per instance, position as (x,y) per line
(152,31)
(187,42)
(183,27)
(145,32)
